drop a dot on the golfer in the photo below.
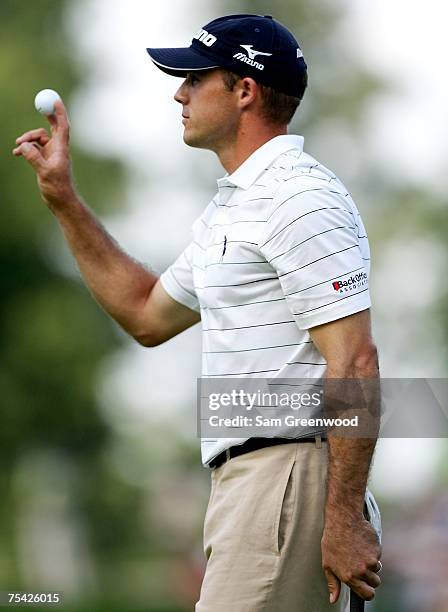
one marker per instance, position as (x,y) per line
(277,271)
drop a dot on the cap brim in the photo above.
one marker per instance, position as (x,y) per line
(178,61)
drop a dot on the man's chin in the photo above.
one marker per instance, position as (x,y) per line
(190,140)
(194,140)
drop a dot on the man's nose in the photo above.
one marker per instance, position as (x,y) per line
(181,94)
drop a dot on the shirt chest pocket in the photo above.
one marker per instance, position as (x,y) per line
(235,271)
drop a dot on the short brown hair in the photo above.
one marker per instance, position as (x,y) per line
(278,108)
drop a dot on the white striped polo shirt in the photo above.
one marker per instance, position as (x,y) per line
(280,248)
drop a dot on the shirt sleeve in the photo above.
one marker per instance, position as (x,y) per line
(316,242)
(178,280)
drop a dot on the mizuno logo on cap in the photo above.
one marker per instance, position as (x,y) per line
(251,53)
(205,37)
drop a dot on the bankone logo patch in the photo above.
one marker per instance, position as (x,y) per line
(354,282)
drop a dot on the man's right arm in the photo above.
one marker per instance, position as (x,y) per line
(127,290)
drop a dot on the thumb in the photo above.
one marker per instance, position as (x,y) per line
(334,585)
(60,126)
(32,155)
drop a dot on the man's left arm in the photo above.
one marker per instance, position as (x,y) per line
(350,546)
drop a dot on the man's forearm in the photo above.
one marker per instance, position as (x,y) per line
(351,450)
(348,471)
(120,284)
(350,545)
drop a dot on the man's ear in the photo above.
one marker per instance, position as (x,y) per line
(248,91)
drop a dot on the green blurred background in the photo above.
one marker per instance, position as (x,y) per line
(102,490)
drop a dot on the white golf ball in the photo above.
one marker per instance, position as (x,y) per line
(44,101)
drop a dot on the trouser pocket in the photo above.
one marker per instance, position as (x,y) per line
(206,547)
(284,509)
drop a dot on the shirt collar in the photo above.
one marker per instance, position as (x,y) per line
(246,174)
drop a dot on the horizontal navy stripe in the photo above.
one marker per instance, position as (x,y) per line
(248,326)
(237,263)
(282,299)
(233,223)
(182,287)
(218,205)
(199,245)
(305,363)
(262,371)
(316,260)
(307,384)
(311,237)
(222,242)
(328,280)
(258,280)
(302,173)
(333,302)
(242,373)
(293,196)
(241,242)
(229,263)
(307,191)
(261,348)
(310,212)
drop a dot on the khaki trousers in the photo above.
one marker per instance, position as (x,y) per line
(262,533)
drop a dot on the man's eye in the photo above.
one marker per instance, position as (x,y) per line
(192,79)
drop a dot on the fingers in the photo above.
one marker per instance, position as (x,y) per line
(365,585)
(334,585)
(60,126)
(372,579)
(363,579)
(362,589)
(31,153)
(40,136)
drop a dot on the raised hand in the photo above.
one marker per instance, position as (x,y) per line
(50,158)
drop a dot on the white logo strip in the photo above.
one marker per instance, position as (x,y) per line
(249,58)
(205,37)
(252,53)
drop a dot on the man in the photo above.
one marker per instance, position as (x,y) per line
(277,272)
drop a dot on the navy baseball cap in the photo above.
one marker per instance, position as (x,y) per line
(249,45)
